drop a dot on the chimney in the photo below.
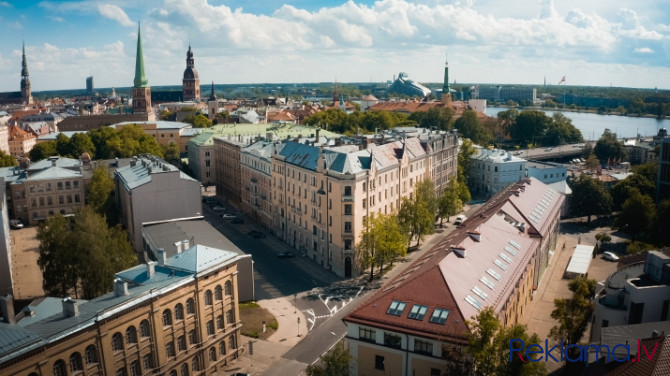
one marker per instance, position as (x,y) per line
(133,162)
(475,235)
(317,133)
(120,287)
(53,162)
(185,244)
(151,268)
(7,309)
(458,250)
(70,308)
(160,255)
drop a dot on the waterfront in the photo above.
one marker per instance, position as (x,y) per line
(592,125)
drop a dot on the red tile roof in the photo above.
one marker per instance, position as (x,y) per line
(659,365)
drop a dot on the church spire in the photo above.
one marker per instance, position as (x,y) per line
(212,97)
(140,77)
(26,92)
(446,90)
(24,63)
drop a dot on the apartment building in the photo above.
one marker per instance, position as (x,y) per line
(20,142)
(177,316)
(491,170)
(256,180)
(493,259)
(52,186)
(150,189)
(322,195)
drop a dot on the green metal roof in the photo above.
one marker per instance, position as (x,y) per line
(140,77)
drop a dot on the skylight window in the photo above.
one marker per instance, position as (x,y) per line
(510,250)
(505,257)
(396,308)
(493,274)
(515,244)
(439,316)
(487,282)
(479,292)
(500,264)
(474,302)
(418,312)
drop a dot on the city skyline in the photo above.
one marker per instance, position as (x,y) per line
(599,43)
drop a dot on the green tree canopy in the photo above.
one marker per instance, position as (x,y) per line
(198,120)
(561,131)
(466,151)
(529,126)
(100,194)
(335,363)
(469,126)
(417,214)
(382,242)
(573,315)
(80,255)
(608,147)
(450,202)
(43,150)
(637,214)
(589,197)
(437,118)
(622,189)
(649,170)
(662,223)
(7,160)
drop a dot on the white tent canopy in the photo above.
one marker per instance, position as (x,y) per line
(581,260)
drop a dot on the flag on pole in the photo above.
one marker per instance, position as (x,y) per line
(562,80)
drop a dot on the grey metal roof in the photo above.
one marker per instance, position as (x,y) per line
(159,124)
(60,162)
(135,176)
(199,258)
(54,173)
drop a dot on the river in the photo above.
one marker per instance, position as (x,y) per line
(593,125)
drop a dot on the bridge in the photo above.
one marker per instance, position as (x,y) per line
(555,153)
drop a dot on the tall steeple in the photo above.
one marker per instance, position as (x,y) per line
(141,88)
(446,94)
(212,97)
(140,77)
(26,93)
(191,81)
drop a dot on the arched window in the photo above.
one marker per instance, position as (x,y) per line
(173,372)
(59,368)
(135,369)
(231,343)
(144,328)
(131,335)
(230,318)
(91,354)
(184,369)
(210,327)
(219,321)
(222,348)
(218,293)
(195,364)
(229,288)
(117,342)
(208,297)
(75,363)
(167,318)
(190,306)
(179,312)
(121,371)
(212,354)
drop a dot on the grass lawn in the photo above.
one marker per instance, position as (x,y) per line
(252,316)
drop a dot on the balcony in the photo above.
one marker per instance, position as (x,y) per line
(347,198)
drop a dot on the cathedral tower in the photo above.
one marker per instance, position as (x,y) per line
(141,88)
(191,81)
(446,93)
(26,93)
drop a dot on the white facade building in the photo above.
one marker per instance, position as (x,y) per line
(493,170)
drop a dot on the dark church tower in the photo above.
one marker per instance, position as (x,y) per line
(141,88)
(191,82)
(26,93)
(446,92)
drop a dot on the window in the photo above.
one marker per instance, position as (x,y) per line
(147,362)
(366,334)
(208,297)
(184,369)
(61,200)
(76,198)
(347,190)
(396,308)
(190,306)
(417,312)
(75,363)
(347,227)
(131,335)
(144,328)
(392,340)
(218,293)
(423,347)
(117,342)
(167,318)
(121,372)
(91,355)
(347,209)
(212,354)
(179,312)
(192,337)
(210,327)
(439,316)
(75,184)
(379,362)
(135,369)
(195,364)
(173,372)
(230,318)
(347,244)
(67,185)
(231,343)
(169,350)
(60,185)
(222,348)
(480,292)
(181,343)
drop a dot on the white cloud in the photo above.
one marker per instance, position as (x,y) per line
(644,50)
(115,13)
(5,4)
(57,19)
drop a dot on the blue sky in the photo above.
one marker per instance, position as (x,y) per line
(595,42)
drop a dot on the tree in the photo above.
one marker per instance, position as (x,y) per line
(560,131)
(573,314)
(649,170)
(466,151)
(336,362)
(637,215)
(434,118)
(602,238)
(662,223)
(198,120)
(382,241)
(171,154)
(81,255)
(80,143)
(589,197)
(100,194)
(608,147)
(43,150)
(529,126)
(7,160)
(417,214)
(469,126)
(368,246)
(592,163)
(449,202)
(622,190)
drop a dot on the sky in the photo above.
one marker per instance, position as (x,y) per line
(591,43)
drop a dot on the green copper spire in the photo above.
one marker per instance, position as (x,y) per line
(140,78)
(445,85)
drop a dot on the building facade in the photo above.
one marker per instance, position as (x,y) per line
(256,180)
(492,170)
(20,142)
(191,80)
(177,316)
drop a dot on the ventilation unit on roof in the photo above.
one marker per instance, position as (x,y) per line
(458,250)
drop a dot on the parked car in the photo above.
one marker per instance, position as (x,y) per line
(228,216)
(548,149)
(219,208)
(459,219)
(284,254)
(518,152)
(16,223)
(256,234)
(609,256)
(237,220)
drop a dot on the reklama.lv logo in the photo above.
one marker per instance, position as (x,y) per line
(560,353)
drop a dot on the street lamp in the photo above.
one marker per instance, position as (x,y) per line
(298,326)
